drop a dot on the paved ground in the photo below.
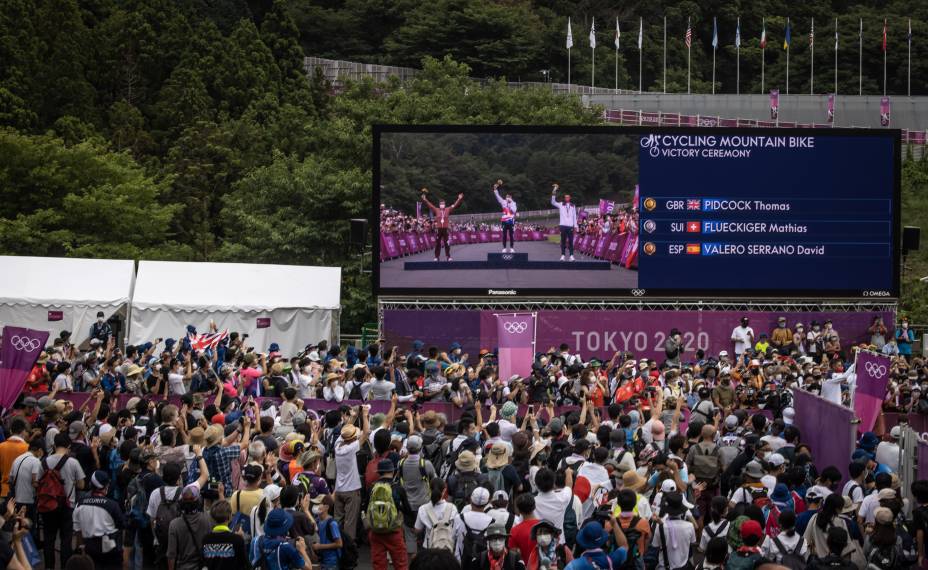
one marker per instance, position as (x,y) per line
(393,275)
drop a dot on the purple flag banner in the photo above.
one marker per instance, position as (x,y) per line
(516,333)
(872,378)
(827,428)
(884,111)
(263,322)
(55,316)
(606,206)
(774,103)
(19,351)
(831,108)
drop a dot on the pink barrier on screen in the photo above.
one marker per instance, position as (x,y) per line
(395,244)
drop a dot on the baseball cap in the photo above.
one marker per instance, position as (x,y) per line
(776,460)
(480,497)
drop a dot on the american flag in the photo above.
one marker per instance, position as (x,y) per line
(689,35)
(206,340)
(692,204)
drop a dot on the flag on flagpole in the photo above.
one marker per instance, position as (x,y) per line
(570,35)
(738,33)
(908,36)
(884,36)
(860,34)
(836,34)
(640,31)
(763,36)
(593,35)
(812,34)
(688,39)
(786,37)
(618,33)
(715,33)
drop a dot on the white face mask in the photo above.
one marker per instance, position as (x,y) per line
(100,320)
(544,540)
(496,545)
(766,455)
(316,510)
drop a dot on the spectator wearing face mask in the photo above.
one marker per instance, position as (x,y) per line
(905,338)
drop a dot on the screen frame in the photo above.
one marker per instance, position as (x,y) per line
(817,295)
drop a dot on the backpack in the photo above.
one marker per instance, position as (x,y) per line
(475,545)
(348,557)
(330,454)
(382,514)
(50,495)
(432,448)
(570,522)
(719,531)
(632,534)
(882,559)
(442,532)
(906,546)
(705,463)
(466,483)
(239,519)
(138,503)
(355,393)
(758,496)
(450,458)
(791,558)
(497,481)
(116,463)
(559,450)
(168,510)
(737,562)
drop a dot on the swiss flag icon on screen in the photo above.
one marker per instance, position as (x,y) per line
(692,227)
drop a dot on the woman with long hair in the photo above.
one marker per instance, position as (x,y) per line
(816,535)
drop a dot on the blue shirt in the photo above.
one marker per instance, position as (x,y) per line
(278,553)
(329,533)
(802,521)
(582,562)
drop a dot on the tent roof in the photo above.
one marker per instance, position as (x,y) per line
(235,286)
(65,280)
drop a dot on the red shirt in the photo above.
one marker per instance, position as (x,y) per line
(521,537)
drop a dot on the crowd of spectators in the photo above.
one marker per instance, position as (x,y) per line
(222,458)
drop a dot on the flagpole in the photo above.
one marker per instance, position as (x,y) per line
(616,70)
(787,58)
(640,50)
(715,35)
(568,70)
(593,72)
(665,54)
(884,57)
(688,58)
(836,56)
(909,82)
(763,53)
(860,59)
(812,58)
(738,61)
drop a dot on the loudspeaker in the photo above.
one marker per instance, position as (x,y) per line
(358,232)
(911,236)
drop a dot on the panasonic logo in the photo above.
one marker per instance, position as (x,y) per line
(498,292)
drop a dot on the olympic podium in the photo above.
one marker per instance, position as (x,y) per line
(507,261)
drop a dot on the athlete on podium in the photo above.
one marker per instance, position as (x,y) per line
(508,219)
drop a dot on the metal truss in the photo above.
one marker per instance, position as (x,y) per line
(633,305)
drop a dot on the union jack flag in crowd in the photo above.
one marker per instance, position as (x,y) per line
(206,340)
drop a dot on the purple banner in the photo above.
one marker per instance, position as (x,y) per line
(872,378)
(774,104)
(19,350)
(602,333)
(516,333)
(55,316)
(884,111)
(830,115)
(827,428)
(263,322)
(389,245)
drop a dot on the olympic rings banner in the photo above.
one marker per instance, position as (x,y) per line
(516,333)
(872,378)
(18,353)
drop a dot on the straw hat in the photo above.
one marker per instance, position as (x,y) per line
(632,480)
(499,455)
(349,433)
(467,461)
(213,434)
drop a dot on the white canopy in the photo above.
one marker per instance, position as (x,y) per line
(63,293)
(301,303)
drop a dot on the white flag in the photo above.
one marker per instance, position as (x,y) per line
(640,31)
(618,33)
(593,35)
(570,36)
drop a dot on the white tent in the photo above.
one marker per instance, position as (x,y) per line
(63,293)
(287,304)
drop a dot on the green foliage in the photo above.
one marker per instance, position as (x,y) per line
(914,213)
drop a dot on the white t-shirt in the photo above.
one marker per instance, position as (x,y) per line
(476,521)
(347,478)
(718,530)
(680,534)
(304,387)
(64,383)
(506,429)
(154,500)
(854,490)
(868,507)
(24,468)
(887,453)
(176,382)
(742,337)
(770,551)
(551,506)
(774,441)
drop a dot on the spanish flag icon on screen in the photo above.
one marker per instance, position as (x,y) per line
(692,249)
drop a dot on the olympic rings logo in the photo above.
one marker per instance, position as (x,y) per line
(638,292)
(516,327)
(875,370)
(25,343)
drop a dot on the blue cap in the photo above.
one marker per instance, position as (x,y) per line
(592,536)
(191,329)
(869,441)
(274,347)
(169,342)
(455,345)
(417,345)
(278,523)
